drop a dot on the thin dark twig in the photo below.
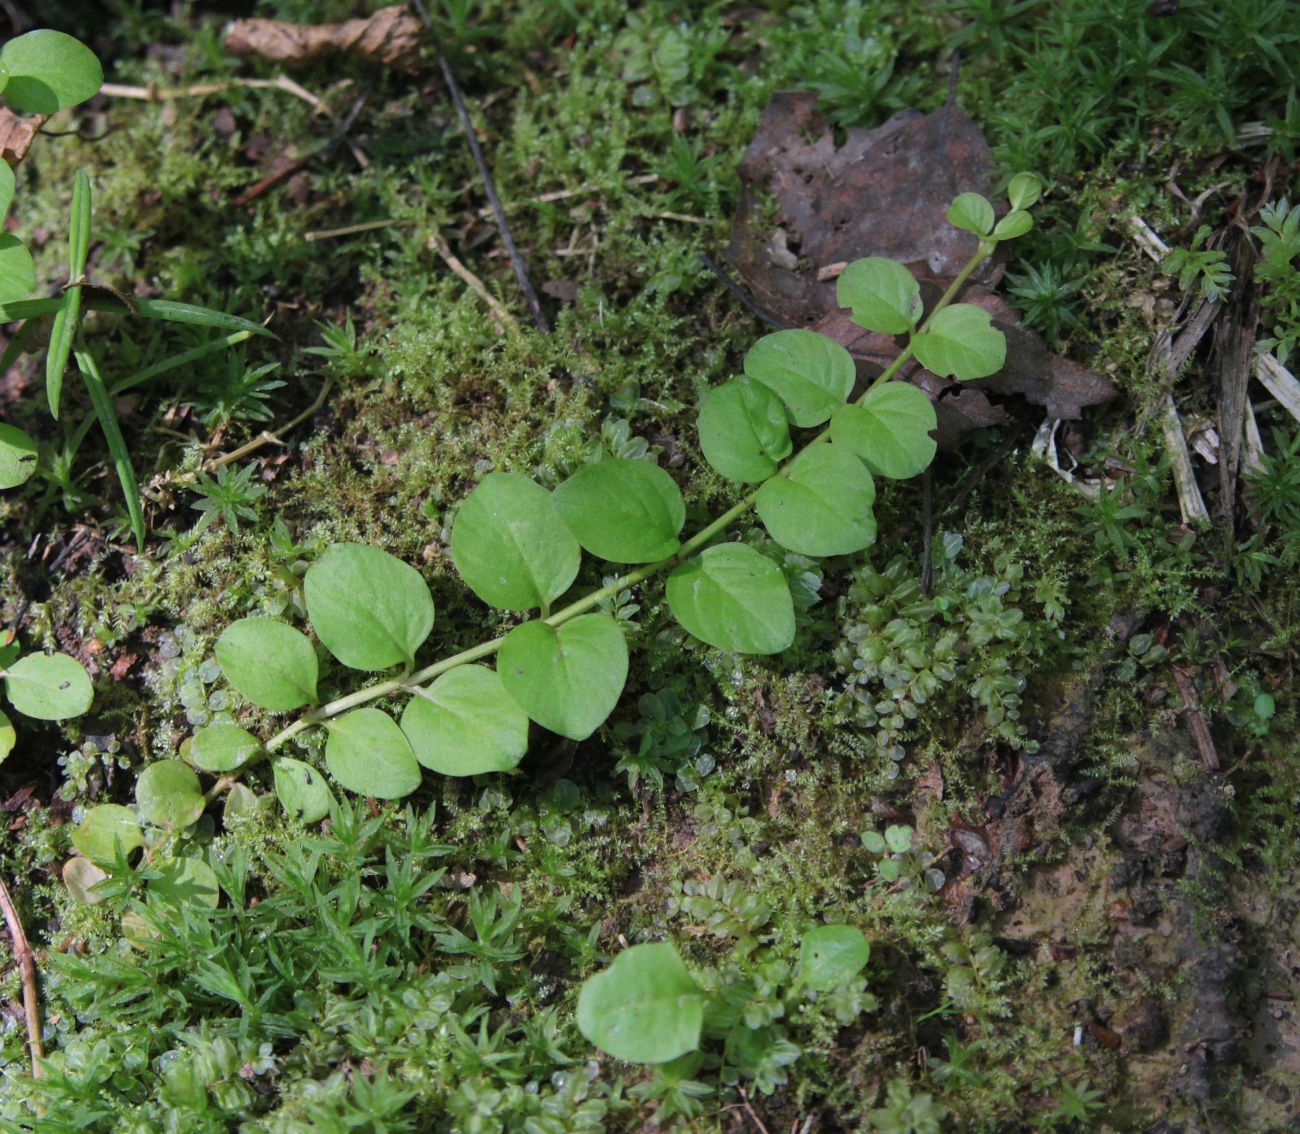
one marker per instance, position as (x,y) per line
(739,292)
(467,124)
(1009,442)
(27,967)
(927,539)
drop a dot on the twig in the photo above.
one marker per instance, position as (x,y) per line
(1279,382)
(749,1110)
(354,229)
(152,93)
(489,185)
(739,292)
(268,438)
(1190,501)
(485,213)
(27,966)
(1195,721)
(499,313)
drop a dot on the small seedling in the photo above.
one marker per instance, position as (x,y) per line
(45,687)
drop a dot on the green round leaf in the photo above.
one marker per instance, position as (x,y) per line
(221,748)
(7,185)
(269,662)
(369,608)
(168,794)
(186,882)
(466,724)
(49,72)
(821,505)
(49,687)
(17,451)
(882,294)
(8,737)
(17,271)
(973,213)
(1024,190)
(302,790)
(743,430)
(81,876)
(962,343)
(104,829)
(645,1008)
(623,511)
(832,955)
(890,430)
(567,678)
(368,754)
(510,546)
(1015,223)
(240,802)
(810,373)
(733,598)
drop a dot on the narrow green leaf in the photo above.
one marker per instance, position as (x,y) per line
(186,882)
(302,790)
(8,183)
(369,608)
(105,830)
(49,71)
(466,724)
(882,294)
(17,455)
(810,373)
(961,342)
(185,313)
(567,678)
(645,1008)
(743,430)
(821,504)
(1015,223)
(8,736)
(17,270)
(62,334)
(832,955)
(269,662)
(733,598)
(116,443)
(221,748)
(973,213)
(176,361)
(79,226)
(48,687)
(890,430)
(510,546)
(623,511)
(368,754)
(168,794)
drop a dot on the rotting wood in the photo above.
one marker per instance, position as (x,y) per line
(1279,382)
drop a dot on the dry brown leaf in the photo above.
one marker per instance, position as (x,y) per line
(807,206)
(391,36)
(16,134)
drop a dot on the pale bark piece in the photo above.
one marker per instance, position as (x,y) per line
(391,36)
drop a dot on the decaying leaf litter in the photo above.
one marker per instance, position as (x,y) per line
(1185,1048)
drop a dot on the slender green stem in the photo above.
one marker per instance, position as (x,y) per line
(698,541)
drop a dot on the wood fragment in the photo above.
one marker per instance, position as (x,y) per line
(1252,452)
(154,93)
(1190,501)
(27,968)
(1279,382)
(1195,720)
(499,313)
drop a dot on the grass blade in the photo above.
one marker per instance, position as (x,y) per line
(79,226)
(116,443)
(182,359)
(68,316)
(194,316)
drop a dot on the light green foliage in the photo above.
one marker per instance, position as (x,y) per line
(510,546)
(890,430)
(46,71)
(810,373)
(1278,270)
(369,608)
(47,687)
(107,831)
(186,881)
(221,748)
(623,511)
(743,430)
(168,794)
(733,598)
(269,662)
(17,456)
(644,1008)
(973,213)
(367,753)
(466,724)
(831,955)
(821,504)
(1205,268)
(961,342)
(302,790)
(882,295)
(567,678)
